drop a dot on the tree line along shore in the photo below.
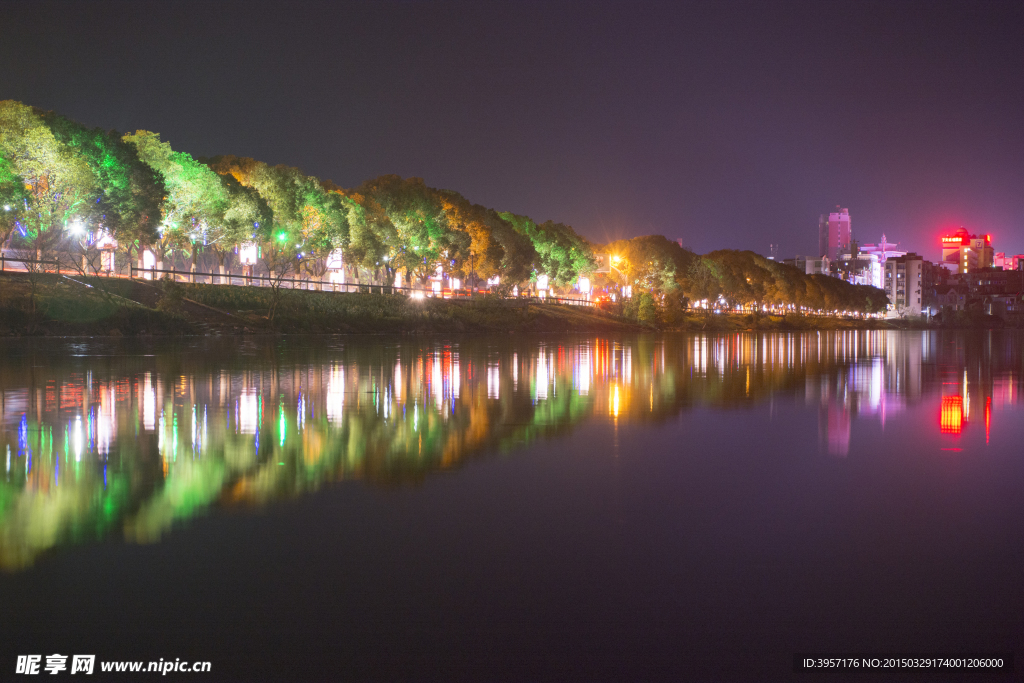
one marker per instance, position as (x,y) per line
(74,195)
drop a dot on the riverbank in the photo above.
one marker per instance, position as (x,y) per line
(54,305)
(68,306)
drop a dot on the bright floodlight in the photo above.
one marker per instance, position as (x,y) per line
(248,254)
(584,285)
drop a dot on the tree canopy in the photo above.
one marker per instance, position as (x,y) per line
(55,171)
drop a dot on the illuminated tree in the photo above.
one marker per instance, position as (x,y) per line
(196,199)
(703,283)
(308,217)
(562,254)
(58,184)
(496,249)
(13,199)
(131,192)
(426,239)
(373,238)
(247,218)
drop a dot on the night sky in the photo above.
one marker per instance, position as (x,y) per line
(726,124)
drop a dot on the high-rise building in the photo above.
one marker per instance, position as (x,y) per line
(903,284)
(967,253)
(834,234)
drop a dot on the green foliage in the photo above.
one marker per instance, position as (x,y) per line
(172,296)
(652,263)
(196,198)
(53,170)
(13,198)
(642,308)
(58,183)
(302,217)
(703,283)
(562,255)
(130,192)
(425,238)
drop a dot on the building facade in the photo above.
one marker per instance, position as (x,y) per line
(1001,260)
(904,285)
(967,253)
(834,234)
(809,265)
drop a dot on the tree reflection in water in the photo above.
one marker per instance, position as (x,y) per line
(119,438)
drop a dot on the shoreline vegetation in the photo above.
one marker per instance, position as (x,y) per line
(54,305)
(89,201)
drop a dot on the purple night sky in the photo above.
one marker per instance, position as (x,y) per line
(726,124)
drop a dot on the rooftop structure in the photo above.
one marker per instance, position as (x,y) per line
(966,252)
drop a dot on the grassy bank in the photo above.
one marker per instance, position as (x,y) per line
(300,311)
(53,305)
(47,304)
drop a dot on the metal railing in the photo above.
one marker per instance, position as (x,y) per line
(311,284)
(4,260)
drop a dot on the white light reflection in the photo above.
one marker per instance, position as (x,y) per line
(105,420)
(436,381)
(248,411)
(76,438)
(335,398)
(583,372)
(398,381)
(454,380)
(148,404)
(542,377)
(493,380)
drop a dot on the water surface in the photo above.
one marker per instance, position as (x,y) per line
(660,507)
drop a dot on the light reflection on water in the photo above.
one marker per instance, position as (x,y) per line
(125,443)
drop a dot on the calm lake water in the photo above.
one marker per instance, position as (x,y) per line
(632,508)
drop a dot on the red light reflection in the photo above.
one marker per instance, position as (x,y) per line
(988,416)
(951,419)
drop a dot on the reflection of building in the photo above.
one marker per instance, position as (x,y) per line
(951,415)
(837,424)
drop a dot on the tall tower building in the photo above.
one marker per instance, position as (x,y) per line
(834,234)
